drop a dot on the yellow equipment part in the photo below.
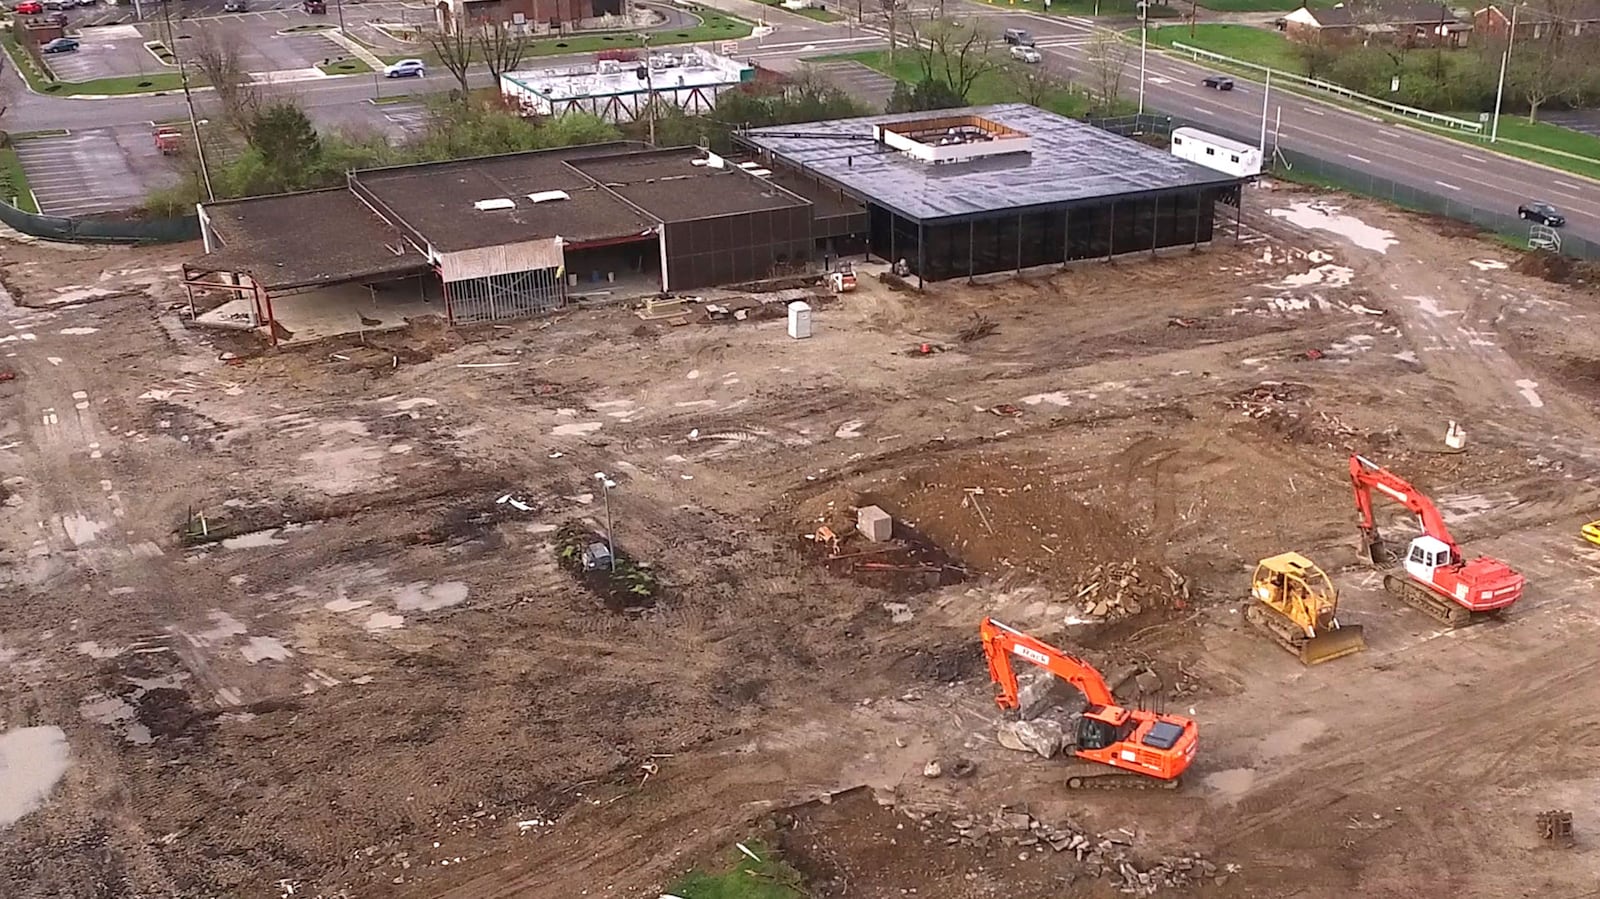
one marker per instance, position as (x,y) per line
(1295,603)
(1591,532)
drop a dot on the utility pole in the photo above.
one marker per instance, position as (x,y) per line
(188,98)
(339,5)
(1505,60)
(1144,34)
(650,87)
(1265,94)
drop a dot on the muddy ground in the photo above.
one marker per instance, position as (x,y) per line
(367,673)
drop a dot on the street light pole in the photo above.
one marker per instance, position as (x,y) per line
(339,5)
(188,98)
(611,544)
(650,87)
(1265,94)
(1144,31)
(1505,60)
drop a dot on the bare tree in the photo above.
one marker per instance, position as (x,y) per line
(217,55)
(1108,59)
(456,50)
(502,51)
(1032,83)
(890,10)
(1554,63)
(953,53)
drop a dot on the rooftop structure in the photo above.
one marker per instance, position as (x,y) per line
(659,183)
(616,90)
(1002,159)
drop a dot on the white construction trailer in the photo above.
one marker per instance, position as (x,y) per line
(1216,152)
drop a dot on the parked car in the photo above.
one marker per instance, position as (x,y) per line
(315,7)
(57,18)
(406,68)
(60,45)
(1026,54)
(1018,37)
(58,4)
(233,6)
(1218,82)
(28,8)
(1541,212)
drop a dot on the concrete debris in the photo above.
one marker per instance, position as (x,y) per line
(1108,855)
(1119,590)
(932,769)
(1283,406)
(1044,737)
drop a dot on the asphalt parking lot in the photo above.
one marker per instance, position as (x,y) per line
(404,120)
(105,52)
(857,80)
(98,170)
(261,47)
(1585,120)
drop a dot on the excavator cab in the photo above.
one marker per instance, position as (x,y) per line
(1426,556)
(1102,727)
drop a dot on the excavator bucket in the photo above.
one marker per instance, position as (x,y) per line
(1333,644)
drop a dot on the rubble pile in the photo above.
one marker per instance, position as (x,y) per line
(1119,590)
(1107,855)
(1282,406)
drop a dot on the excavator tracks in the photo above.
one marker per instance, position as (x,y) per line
(1330,645)
(1094,776)
(1439,609)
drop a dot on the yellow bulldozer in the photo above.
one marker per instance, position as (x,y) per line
(1295,603)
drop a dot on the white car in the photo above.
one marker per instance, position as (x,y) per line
(1027,54)
(406,68)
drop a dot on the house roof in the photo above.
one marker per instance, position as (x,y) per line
(1398,13)
(662,182)
(1576,11)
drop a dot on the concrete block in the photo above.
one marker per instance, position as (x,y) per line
(874,524)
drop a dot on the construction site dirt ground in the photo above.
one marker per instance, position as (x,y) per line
(384,682)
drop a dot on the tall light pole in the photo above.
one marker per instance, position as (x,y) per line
(188,98)
(649,85)
(1267,92)
(1144,32)
(1505,60)
(611,544)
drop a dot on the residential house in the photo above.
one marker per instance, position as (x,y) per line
(1533,19)
(1400,23)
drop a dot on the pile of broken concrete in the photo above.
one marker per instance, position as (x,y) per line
(1120,590)
(1107,855)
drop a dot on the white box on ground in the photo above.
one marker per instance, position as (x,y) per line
(874,524)
(799,320)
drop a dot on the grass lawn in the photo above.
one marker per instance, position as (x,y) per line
(816,15)
(992,87)
(742,877)
(14,181)
(351,66)
(1243,42)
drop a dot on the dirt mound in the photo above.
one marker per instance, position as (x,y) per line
(1006,513)
(1545,264)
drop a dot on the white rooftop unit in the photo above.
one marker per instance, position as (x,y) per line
(1216,152)
(496,204)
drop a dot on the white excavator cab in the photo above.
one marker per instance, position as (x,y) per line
(1426,555)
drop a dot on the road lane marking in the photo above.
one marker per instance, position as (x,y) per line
(1446,184)
(1473,158)
(1566,185)
(1359,158)
(1203,111)
(1315,111)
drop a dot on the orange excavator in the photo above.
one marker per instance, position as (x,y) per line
(1434,576)
(1127,747)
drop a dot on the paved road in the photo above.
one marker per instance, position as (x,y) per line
(1437,165)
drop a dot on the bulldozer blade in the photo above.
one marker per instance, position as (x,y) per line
(1330,645)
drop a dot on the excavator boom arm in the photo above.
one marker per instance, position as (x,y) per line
(1367,475)
(1000,643)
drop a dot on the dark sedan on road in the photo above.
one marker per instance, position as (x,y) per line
(1541,212)
(1218,82)
(60,45)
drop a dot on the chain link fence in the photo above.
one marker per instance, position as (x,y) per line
(93,230)
(1295,164)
